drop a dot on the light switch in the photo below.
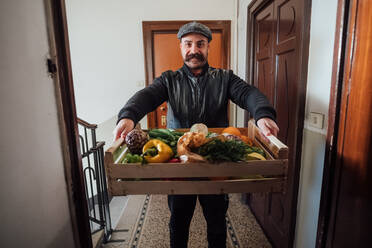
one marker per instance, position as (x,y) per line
(140,83)
(316,120)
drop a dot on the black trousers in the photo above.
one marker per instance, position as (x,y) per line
(182,209)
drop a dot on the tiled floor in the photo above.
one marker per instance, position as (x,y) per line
(146,219)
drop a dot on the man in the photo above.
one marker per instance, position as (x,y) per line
(197,93)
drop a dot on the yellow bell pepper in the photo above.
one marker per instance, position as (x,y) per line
(164,151)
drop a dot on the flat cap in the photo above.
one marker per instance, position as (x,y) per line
(194,27)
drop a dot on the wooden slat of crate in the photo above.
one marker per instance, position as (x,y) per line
(197,187)
(169,170)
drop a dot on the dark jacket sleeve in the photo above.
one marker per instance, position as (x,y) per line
(250,98)
(145,101)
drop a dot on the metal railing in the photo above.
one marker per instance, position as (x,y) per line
(95,179)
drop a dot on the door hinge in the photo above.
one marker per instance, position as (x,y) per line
(52,67)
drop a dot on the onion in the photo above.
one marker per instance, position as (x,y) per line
(231,137)
(199,128)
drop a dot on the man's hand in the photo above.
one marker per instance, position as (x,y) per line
(268,127)
(123,128)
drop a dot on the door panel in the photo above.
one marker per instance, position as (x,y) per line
(277,63)
(215,50)
(286,20)
(276,212)
(166,55)
(264,30)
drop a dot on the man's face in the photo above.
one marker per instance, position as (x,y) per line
(194,50)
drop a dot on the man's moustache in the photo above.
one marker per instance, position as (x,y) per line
(197,56)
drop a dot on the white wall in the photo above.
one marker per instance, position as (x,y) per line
(242,50)
(107,47)
(34,207)
(323,20)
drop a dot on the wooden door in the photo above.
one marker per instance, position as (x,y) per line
(276,69)
(165,54)
(345,216)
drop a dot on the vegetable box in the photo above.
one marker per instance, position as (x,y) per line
(200,178)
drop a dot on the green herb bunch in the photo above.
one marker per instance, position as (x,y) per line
(217,150)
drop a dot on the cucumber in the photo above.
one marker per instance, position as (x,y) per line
(162,133)
(179,134)
(155,133)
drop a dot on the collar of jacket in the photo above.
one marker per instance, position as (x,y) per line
(187,70)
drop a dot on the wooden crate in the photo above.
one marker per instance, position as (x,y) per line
(190,178)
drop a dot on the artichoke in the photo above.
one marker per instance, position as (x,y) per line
(135,140)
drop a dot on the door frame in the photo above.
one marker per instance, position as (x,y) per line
(254,7)
(60,70)
(149,28)
(332,167)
